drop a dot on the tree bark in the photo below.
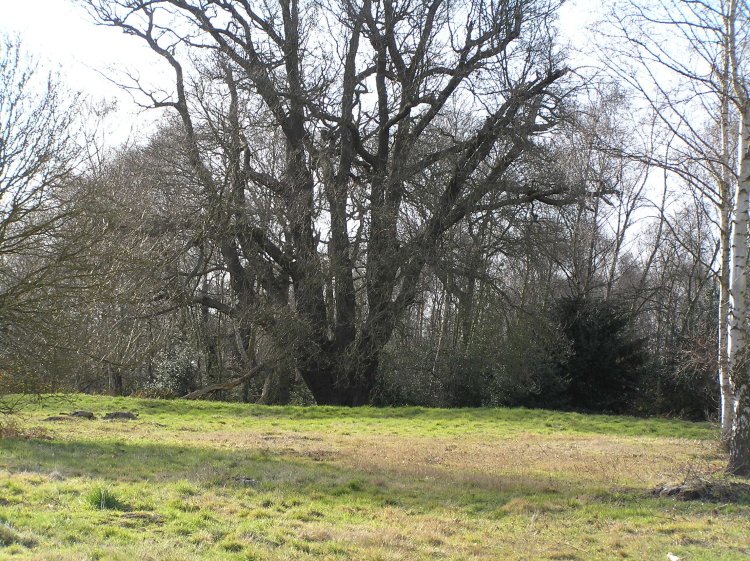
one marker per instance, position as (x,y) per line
(725,212)
(739,441)
(115,381)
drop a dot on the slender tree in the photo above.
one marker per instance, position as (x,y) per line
(714,33)
(736,24)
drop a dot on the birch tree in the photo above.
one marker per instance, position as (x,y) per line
(737,24)
(699,47)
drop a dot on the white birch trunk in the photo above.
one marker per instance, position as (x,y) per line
(739,443)
(738,281)
(725,383)
(739,440)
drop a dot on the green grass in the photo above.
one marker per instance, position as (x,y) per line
(103,498)
(214,481)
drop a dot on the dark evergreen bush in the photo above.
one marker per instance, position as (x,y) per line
(605,364)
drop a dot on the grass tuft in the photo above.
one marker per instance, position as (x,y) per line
(103,498)
(9,536)
(11,429)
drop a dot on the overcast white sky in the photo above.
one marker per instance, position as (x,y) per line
(61,35)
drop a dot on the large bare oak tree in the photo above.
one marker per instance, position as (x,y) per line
(370,128)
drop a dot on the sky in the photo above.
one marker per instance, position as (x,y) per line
(61,35)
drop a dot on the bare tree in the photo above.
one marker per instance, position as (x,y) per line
(38,157)
(373,129)
(714,34)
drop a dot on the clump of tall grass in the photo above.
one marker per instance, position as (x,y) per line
(11,429)
(101,497)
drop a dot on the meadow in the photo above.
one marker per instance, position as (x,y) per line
(217,481)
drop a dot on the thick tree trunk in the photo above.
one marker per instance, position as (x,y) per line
(115,381)
(350,389)
(336,379)
(739,441)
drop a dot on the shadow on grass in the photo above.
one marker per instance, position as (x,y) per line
(256,470)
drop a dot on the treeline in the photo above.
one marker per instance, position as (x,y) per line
(604,303)
(433,209)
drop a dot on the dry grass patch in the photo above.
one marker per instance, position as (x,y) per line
(534,460)
(221,482)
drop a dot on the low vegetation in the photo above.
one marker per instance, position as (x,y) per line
(218,481)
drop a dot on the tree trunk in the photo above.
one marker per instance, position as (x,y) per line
(739,441)
(336,379)
(277,387)
(265,394)
(115,381)
(725,211)
(225,386)
(724,274)
(738,287)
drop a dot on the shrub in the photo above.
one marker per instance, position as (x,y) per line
(176,373)
(682,379)
(606,361)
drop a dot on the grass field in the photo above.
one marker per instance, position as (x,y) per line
(214,481)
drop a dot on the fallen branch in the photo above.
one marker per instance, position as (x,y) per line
(226,385)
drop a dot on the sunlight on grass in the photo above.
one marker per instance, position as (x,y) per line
(215,481)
